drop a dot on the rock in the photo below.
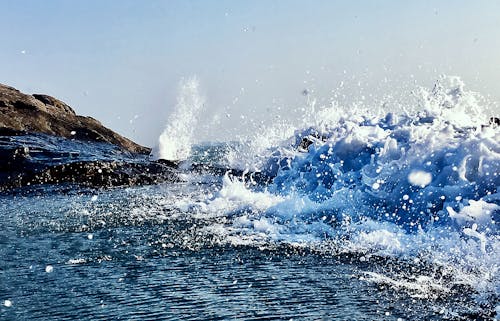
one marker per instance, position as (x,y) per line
(21,113)
(308,140)
(96,174)
(41,159)
(260,178)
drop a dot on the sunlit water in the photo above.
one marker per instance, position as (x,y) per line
(365,215)
(129,254)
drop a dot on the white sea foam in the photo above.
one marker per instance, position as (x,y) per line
(419,286)
(419,178)
(236,196)
(419,184)
(76,261)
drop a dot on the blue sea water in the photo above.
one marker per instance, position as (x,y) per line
(368,216)
(73,257)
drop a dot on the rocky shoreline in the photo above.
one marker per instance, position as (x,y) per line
(22,114)
(44,142)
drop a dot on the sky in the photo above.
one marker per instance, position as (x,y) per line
(121,61)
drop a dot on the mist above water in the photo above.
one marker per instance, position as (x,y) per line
(175,141)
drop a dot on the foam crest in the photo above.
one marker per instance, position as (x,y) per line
(421,184)
(236,196)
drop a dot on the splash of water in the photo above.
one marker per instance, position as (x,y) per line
(176,140)
(423,184)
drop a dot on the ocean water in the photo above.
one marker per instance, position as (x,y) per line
(366,215)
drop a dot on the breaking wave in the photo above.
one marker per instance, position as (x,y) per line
(421,186)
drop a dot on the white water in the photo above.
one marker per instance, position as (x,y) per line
(176,140)
(419,186)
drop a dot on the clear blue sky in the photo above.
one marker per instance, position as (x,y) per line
(121,61)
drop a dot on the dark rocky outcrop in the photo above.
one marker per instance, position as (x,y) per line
(21,113)
(97,174)
(40,159)
(44,142)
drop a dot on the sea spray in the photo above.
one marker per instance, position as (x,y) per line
(276,139)
(176,140)
(420,185)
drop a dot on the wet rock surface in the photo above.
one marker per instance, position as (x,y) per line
(44,142)
(97,174)
(39,159)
